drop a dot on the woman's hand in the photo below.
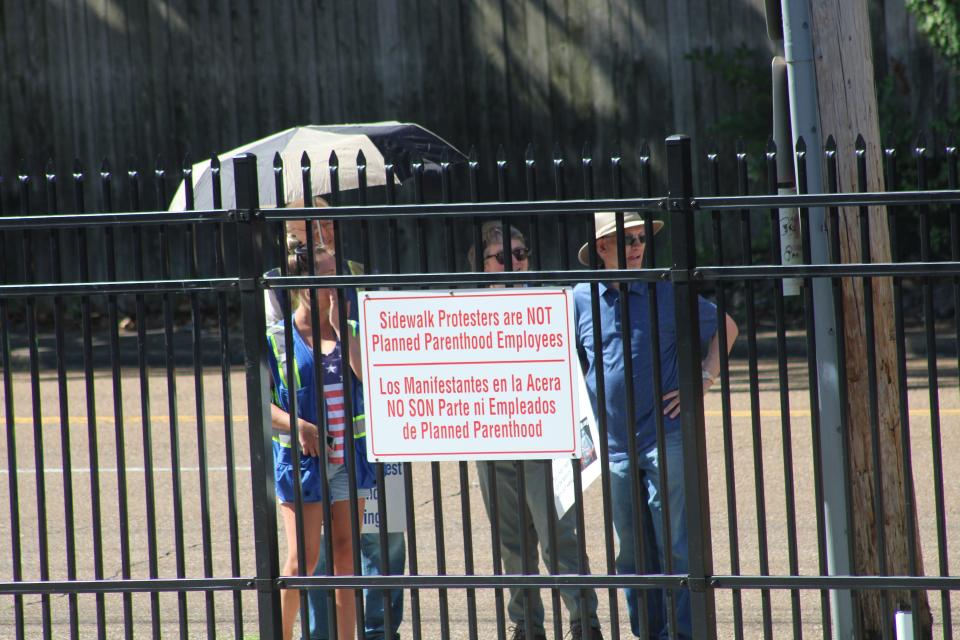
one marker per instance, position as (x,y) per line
(309,438)
(335,311)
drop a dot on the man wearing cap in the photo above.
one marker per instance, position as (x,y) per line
(611,355)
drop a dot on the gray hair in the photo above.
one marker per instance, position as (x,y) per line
(491,232)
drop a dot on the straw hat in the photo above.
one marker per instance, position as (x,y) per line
(606,224)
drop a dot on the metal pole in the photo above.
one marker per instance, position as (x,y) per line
(250,245)
(804,114)
(703,614)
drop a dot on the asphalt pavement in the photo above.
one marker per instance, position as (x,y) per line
(44,447)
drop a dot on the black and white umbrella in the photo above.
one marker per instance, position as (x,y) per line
(397,142)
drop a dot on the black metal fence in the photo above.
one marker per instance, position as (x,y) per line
(125,512)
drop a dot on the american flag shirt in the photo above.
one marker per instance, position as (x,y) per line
(331,368)
(332,365)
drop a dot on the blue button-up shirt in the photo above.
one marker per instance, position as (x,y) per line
(615,384)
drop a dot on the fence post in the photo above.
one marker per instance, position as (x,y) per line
(250,267)
(680,186)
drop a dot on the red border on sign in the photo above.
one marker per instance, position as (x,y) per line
(428,364)
(565,293)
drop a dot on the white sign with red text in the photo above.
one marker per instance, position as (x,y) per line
(470,374)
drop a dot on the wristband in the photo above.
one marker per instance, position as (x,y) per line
(354,328)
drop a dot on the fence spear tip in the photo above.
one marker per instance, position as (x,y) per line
(712,148)
(472,157)
(890,147)
(920,148)
(831,145)
(861,143)
(529,154)
(132,170)
(615,156)
(741,149)
(304,160)
(333,161)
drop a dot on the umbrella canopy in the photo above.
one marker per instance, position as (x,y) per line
(380,141)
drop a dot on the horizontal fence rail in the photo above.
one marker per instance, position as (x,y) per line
(136,484)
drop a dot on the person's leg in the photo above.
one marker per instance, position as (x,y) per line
(312,525)
(317,599)
(397,544)
(626,563)
(372,598)
(541,507)
(678,521)
(621,502)
(511,542)
(343,565)
(370,557)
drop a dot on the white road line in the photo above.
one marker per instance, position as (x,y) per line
(26,471)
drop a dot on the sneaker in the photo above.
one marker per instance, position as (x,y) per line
(517,633)
(576,632)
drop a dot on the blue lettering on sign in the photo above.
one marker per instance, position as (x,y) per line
(393,469)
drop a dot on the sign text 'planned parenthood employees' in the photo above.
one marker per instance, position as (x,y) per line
(469,374)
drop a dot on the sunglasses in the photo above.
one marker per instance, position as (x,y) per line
(519,255)
(631,240)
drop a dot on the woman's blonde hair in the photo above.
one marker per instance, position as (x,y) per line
(298,228)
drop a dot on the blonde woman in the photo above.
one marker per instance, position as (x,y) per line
(334,367)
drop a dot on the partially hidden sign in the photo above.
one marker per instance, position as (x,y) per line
(470,374)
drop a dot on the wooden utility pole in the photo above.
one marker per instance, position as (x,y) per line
(843,59)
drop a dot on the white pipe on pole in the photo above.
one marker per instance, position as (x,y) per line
(903,621)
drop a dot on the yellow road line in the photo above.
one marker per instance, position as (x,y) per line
(82,420)
(805,413)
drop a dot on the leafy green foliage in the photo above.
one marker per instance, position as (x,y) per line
(746,71)
(939,20)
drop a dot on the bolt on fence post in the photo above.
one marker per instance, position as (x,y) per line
(250,243)
(700,552)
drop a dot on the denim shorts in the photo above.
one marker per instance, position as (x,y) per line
(311,486)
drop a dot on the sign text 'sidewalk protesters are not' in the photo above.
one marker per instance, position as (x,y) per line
(470,375)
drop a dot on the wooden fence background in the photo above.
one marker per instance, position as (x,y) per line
(136,80)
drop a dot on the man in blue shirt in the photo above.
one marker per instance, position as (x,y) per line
(611,355)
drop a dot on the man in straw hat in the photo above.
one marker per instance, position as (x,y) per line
(645,421)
